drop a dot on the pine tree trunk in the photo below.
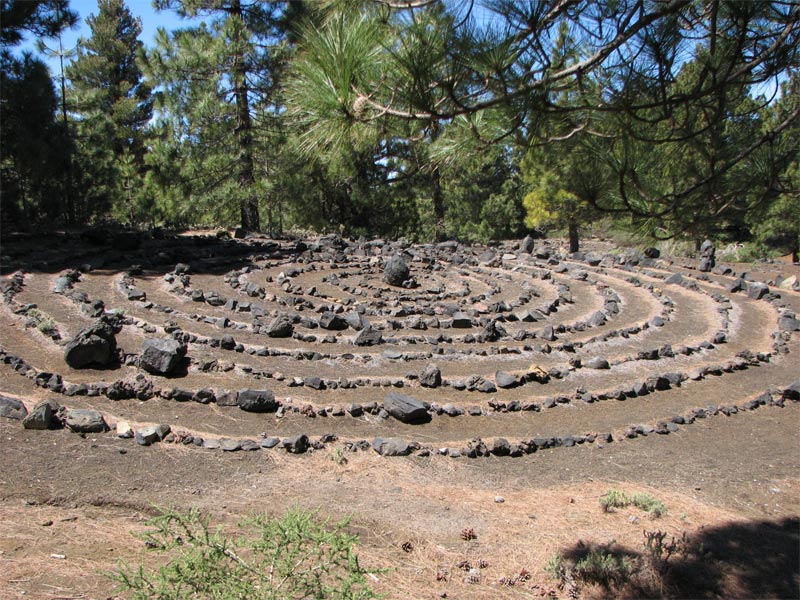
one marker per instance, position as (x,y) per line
(438,206)
(573,237)
(68,202)
(244,137)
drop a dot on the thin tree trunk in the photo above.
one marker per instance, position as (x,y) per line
(573,237)
(69,204)
(438,206)
(244,136)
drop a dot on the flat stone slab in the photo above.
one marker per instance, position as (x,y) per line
(406,409)
(85,420)
(391,447)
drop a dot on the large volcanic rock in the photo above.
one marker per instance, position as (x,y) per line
(160,356)
(45,415)
(11,408)
(332,322)
(281,327)
(93,346)
(368,337)
(85,420)
(707,256)
(527,245)
(391,446)
(431,376)
(257,401)
(406,409)
(396,271)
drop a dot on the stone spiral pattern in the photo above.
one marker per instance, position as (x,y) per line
(481,352)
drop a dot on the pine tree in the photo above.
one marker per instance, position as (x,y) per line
(34,148)
(219,82)
(776,222)
(111,105)
(632,55)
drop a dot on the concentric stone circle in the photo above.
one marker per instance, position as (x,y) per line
(479,351)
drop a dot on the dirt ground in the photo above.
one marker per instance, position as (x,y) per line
(70,505)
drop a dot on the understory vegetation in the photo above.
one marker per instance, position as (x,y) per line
(623,572)
(618,499)
(294,556)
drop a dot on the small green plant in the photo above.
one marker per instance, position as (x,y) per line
(555,567)
(661,550)
(43,322)
(652,506)
(338,457)
(603,567)
(617,499)
(292,557)
(614,499)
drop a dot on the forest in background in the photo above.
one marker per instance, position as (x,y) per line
(424,119)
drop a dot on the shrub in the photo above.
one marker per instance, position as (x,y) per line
(617,499)
(654,507)
(291,557)
(614,499)
(555,567)
(603,567)
(43,321)
(599,566)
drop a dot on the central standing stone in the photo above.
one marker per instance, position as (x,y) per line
(396,271)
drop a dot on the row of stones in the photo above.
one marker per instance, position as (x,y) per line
(282,325)
(226,342)
(142,388)
(420,316)
(49,414)
(476,383)
(240,280)
(787,320)
(492,331)
(502,380)
(63,284)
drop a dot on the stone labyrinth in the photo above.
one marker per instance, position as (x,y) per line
(328,345)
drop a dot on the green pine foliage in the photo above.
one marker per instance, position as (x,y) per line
(425,120)
(34,146)
(33,164)
(111,105)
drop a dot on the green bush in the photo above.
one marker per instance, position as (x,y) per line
(617,499)
(600,566)
(614,499)
(603,567)
(296,556)
(555,567)
(43,321)
(652,506)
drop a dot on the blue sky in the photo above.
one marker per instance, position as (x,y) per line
(151,21)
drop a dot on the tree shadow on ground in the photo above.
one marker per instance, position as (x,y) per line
(114,248)
(743,559)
